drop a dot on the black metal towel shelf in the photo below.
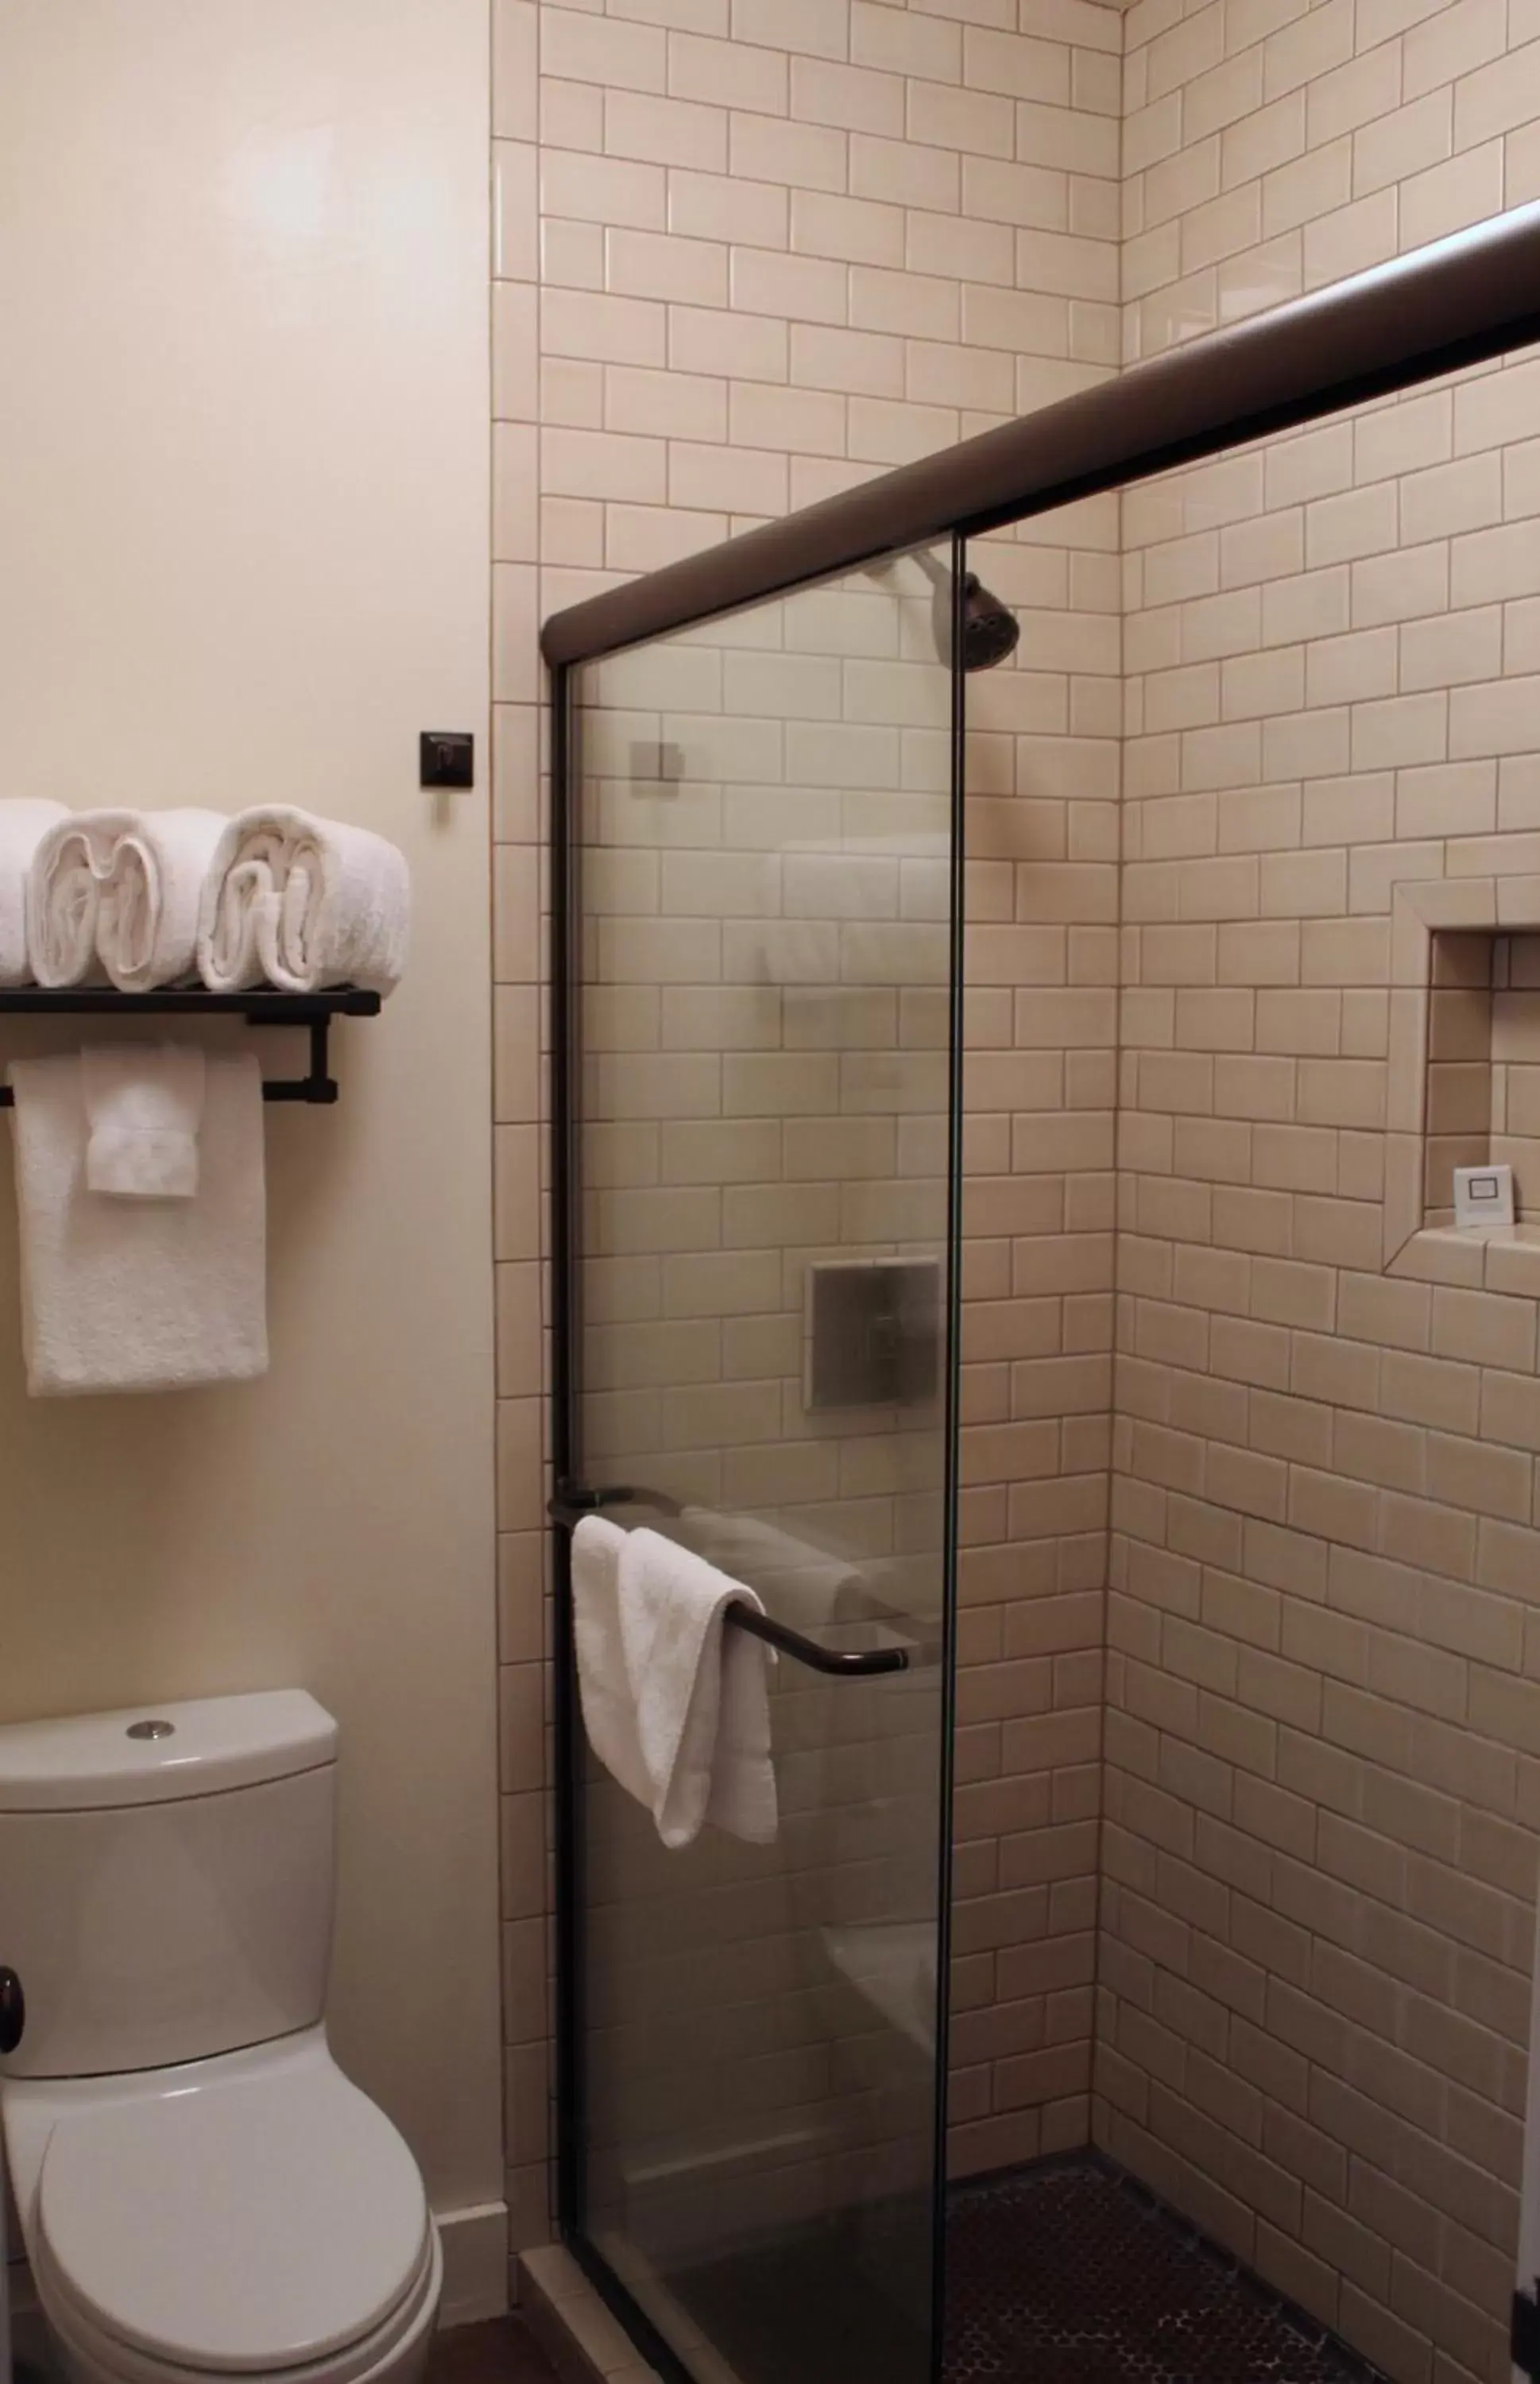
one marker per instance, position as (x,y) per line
(261,1006)
(844,1663)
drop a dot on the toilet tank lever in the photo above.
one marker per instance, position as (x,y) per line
(13,2010)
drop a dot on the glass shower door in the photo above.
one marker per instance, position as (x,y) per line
(762,1099)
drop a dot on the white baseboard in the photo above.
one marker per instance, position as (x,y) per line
(475,2245)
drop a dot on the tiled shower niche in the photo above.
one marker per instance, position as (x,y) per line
(1483,1067)
(1464,1077)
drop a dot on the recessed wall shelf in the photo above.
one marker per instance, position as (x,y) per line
(1462,1066)
(261,1006)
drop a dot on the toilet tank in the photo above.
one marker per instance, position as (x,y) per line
(166,1881)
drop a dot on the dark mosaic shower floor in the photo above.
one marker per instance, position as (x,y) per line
(1072,2275)
(1065,2273)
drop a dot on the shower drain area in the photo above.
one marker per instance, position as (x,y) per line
(1071,2274)
(1065,2273)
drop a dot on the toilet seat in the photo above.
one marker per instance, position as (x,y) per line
(391,2355)
(251,2227)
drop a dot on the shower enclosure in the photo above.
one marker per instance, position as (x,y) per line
(761,1195)
(1150,1856)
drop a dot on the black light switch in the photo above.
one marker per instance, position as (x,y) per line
(447,757)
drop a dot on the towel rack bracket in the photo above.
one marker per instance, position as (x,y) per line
(259,1006)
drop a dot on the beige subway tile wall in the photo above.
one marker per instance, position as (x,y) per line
(1321,1787)
(747,255)
(1040,971)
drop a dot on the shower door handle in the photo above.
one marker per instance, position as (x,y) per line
(575,1499)
(574,1502)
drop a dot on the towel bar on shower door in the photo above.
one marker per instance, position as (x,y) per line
(260,1006)
(843,1663)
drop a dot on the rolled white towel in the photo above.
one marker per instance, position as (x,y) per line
(303,903)
(64,896)
(112,896)
(147,924)
(23,824)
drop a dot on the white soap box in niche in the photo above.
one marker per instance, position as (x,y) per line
(1484,1196)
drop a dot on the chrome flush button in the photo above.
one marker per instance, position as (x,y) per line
(151,1729)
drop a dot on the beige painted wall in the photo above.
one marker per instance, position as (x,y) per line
(243,511)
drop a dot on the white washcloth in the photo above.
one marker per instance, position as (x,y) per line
(303,903)
(675,1704)
(23,826)
(139,1295)
(147,923)
(143,1107)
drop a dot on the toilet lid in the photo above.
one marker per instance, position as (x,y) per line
(245,2226)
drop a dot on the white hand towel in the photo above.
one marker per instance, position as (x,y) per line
(303,903)
(147,924)
(144,1108)
(674,1702)
(22,827)
(139,1295)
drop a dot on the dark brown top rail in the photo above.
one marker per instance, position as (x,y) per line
(1461,300)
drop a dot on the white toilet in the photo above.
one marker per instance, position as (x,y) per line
(202,2193)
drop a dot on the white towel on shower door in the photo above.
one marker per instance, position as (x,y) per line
(674,1702)
(139,1295)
